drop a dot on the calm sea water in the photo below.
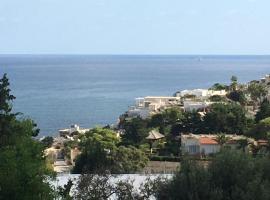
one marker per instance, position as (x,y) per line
(57,91)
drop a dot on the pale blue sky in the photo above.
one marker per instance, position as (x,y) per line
(135,26)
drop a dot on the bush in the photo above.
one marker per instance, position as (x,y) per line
(232,175)
(165,158)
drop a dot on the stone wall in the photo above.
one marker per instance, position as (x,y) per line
(161,167)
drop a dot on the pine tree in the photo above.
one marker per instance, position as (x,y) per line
(23,172)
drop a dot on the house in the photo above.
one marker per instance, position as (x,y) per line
(201,93)
(196,105)
(145,107)
(204,144)
(73,129)
(265,80)
(208,145)
(199,144)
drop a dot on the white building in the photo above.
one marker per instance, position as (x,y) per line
(73,128)
(201,93)
(199,144)
(190,106)
(266,80)
(206,144)
(146,106)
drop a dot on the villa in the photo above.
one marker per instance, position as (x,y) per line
(201,93)
(73,129)
(198,145)
(145,107)
(196,105)
(265,80)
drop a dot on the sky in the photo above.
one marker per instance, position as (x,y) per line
(135,27)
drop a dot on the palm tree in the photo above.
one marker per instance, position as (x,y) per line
(243,143)
(268,141)
(234,83)
(222,139)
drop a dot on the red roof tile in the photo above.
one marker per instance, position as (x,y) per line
(206,140)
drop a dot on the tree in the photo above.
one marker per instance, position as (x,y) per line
(221,179)
(264,111)
(217,98)
(64,192)
(106,186)
(222,139)
(7,136)
(135,131)
(260,130)
(243,143)
(237,96)
(23,172)
(234,83)
(192,123)
(47,141)
(94,187)
(5,97)
(96,147)
(225,118)
(218,86)
(100,152)
(257,91)
(167,121)
(128,160)
(192,182)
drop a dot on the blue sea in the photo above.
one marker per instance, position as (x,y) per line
(59,90)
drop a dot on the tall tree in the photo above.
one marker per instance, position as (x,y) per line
(257,92)
(136,131)
(222,139)
(264,111)
(234,83)
(260,130)
(23,172)
(100,152)
(237,96)
(226,118)
(222,179)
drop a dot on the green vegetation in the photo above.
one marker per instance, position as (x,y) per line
(257,91)
(101,151)
(135,131)
(23,170)
(100,187)
(218,86)
(264,111)
(261,130)
(222,139)
(47,141)
(227,115)
(25,173)
(232,175)
(234,83)
(226,118)
(237,96)
(217,98)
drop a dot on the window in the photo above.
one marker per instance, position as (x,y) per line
(193,149)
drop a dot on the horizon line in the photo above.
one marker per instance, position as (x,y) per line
(85,54)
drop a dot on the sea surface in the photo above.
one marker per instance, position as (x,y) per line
(59,90)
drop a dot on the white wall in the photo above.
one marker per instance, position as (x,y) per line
(209,148)
(192,105)
(190,145)
(202,93)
